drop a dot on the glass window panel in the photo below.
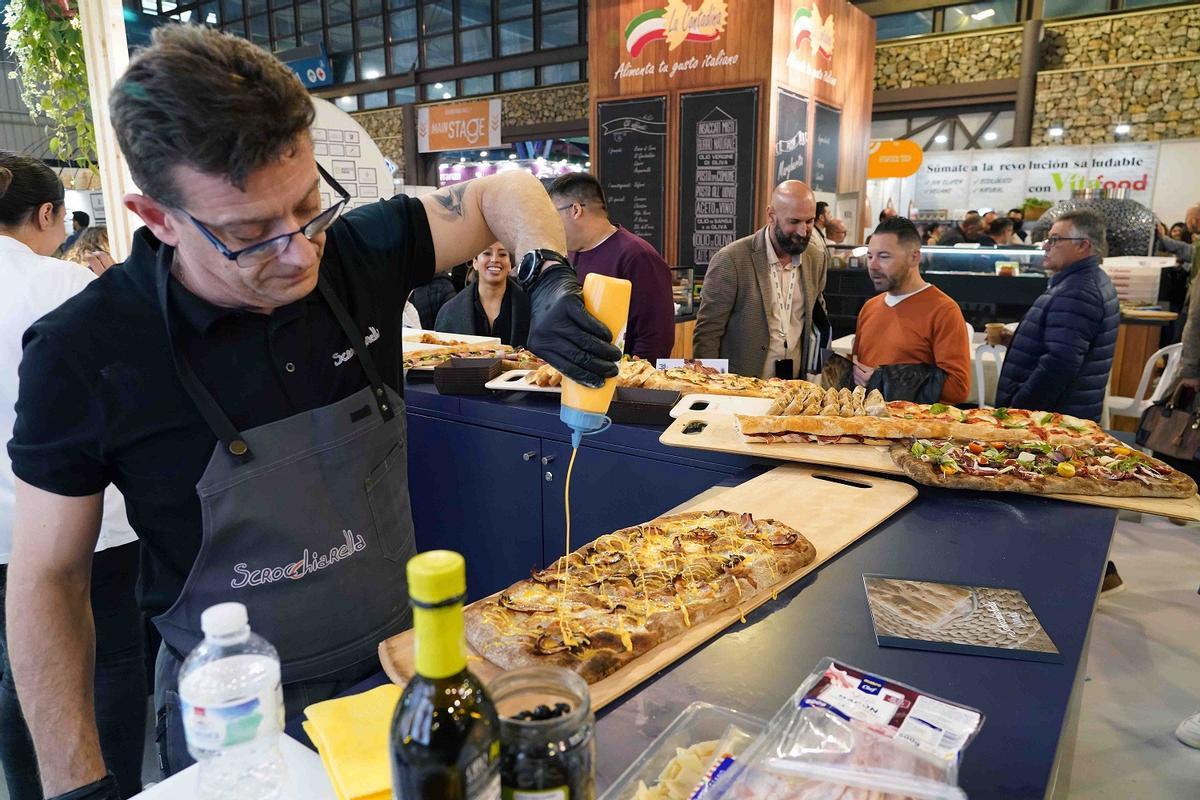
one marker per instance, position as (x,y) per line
(516,79)
(256,6)
(512,9)
(560,73)
(310,15)
(365,8)
(439,51)
(342,66)
(401,4)
(408,94)
(402,25)
(341,38)
(516,37)
(347,103)
(311,37)
(404,55)
(1071,8)
(232,9)
(480,84)
(551,5)
(894,26)
(338,10)
(475,12)
(1147,3)
(438,91)
(237,28)
(370,31)
(560,29)
(285,24)
(970,16)
(374,100)
(439,15)
(475,44)
(371,64)
(260,30)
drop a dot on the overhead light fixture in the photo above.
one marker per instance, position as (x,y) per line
(1121,129)
(512,156)
(979,16)
(941,138)
(587,164)
(446,95)
(1055,132)
(437,85)
(483,153)
(462,159)
(990,136)
(372,74)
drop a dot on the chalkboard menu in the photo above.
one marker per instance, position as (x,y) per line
(791,138)
(717,135)
(826,128)
(633,161)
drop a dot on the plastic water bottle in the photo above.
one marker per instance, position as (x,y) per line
(232,705)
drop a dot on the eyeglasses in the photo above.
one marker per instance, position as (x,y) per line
(258,254)
(1053,240)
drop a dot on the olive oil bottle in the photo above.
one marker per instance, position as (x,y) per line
(445,732)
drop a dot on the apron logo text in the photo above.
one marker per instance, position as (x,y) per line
(344,356)
(311,562)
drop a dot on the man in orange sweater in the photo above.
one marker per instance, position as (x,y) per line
(913,322)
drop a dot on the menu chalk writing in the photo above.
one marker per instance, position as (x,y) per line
(717,132)
(791,137)
(826,130)
(632,170)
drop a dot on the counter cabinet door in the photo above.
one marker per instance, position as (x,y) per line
(610,491)
(477,491)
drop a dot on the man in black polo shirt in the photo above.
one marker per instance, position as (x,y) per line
(237,378)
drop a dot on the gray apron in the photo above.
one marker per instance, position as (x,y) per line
(306,520)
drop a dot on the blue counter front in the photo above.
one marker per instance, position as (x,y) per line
(486,479)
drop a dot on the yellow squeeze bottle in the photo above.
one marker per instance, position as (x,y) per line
(584,410)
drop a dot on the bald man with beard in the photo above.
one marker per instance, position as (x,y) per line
(761,291)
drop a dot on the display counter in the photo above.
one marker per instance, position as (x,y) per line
(485,479)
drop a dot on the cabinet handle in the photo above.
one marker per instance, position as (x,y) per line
(530,456)
(547,459)
(549,477)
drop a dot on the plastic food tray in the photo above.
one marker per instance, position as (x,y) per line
(699,722)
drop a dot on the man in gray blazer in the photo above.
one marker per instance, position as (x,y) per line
(760,292)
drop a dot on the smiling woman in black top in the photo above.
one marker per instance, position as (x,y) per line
(491,305)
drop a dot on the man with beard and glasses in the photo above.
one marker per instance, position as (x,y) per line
(761,292)
(913,322)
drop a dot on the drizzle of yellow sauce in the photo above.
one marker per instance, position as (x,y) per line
(564,572)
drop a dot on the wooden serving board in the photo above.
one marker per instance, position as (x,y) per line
(830,513)
(719,434)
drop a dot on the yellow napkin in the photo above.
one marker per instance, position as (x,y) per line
(351,734)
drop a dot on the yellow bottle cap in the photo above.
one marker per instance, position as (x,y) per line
(436,576)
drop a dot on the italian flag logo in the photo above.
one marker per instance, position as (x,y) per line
(677,22)
(808,28)
(644,29)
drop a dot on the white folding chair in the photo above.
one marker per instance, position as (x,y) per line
(997,352)
(1117,405)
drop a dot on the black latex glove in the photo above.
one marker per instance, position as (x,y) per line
(103,789)
(563,333)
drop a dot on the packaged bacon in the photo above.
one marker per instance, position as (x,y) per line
(850,735)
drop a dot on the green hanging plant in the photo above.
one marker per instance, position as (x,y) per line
(46,39)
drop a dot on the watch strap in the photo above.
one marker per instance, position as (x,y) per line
(533,262)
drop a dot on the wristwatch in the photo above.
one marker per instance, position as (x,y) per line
(534,261)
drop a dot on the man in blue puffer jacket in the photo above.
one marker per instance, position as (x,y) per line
(1061,354)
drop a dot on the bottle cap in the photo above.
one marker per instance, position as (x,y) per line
(582,423)
(436,576)
(223,619)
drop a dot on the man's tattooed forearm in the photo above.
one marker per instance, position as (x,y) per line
(451,199)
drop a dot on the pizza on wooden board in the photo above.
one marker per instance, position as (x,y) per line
(856,430)
(692,378)
(1036,467)
(1048,426)
(623,594)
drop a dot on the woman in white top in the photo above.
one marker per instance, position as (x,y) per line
(31,227)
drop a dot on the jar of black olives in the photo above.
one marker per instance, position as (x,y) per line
(546,727)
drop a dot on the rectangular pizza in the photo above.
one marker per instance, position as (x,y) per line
(603,605)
